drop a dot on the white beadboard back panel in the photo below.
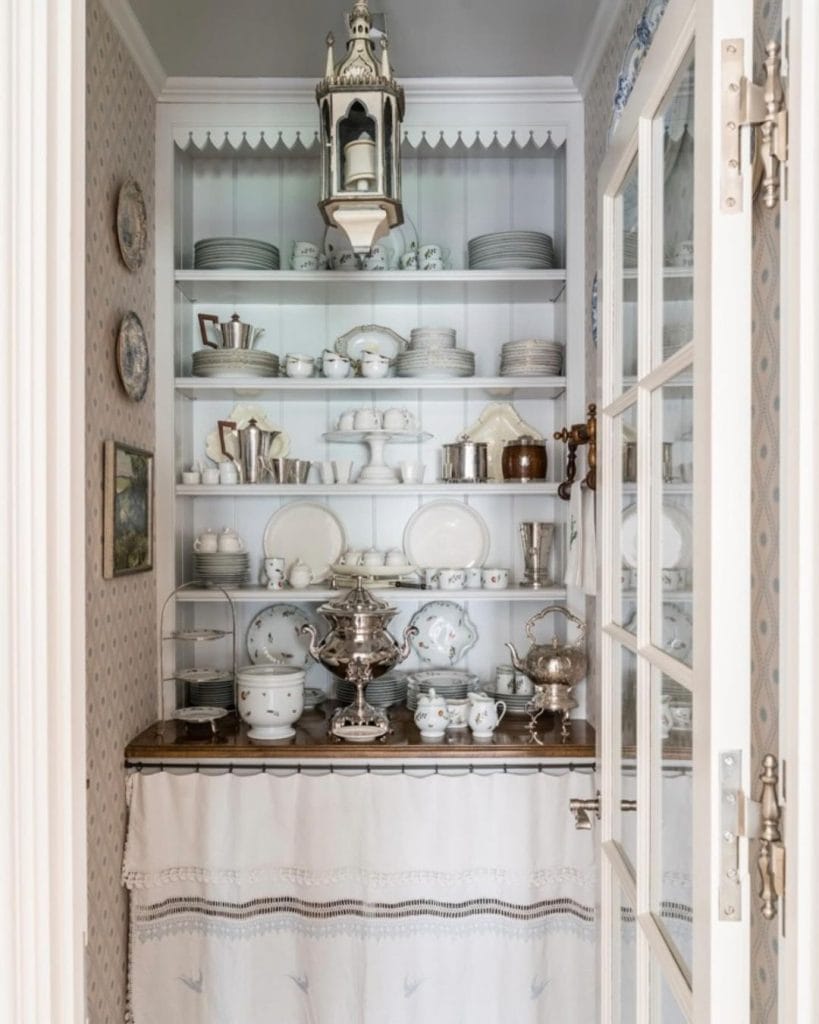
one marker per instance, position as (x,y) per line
(121,613)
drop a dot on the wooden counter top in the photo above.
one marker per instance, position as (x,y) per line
(179,741)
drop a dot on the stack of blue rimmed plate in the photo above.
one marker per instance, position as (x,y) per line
(235,254)
(207,687)
(450,683)
(511,250)
(381,693)
(225,568)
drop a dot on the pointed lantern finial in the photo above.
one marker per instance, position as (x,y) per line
(386,69)
(330,66)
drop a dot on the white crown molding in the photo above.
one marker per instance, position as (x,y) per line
(596,42)
(418,90)
(134,38)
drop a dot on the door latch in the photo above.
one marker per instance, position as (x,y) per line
(762,107)
(741,817)
(582,809)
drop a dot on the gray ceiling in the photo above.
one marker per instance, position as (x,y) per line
(430,38)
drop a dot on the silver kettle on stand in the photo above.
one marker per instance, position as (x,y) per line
(254,448)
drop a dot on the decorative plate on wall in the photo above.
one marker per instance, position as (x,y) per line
(132,225)
(133,358)
(633,58)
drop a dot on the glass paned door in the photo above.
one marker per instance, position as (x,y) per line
(674,514)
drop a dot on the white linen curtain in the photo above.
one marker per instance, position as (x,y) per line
(366,899)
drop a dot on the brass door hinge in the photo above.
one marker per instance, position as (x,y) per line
(762,107)
(750,819)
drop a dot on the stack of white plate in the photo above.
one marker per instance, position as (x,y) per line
(225,568)
(207,687)
(436,362)
(450,683)
(516,703)
(235,362)
(381,693)
(532,357)
(511,250)
(432,337)
(235,254)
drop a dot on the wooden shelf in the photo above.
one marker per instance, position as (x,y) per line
(509,490)
(261,595)
(385,286)
(270,388)
(176,741)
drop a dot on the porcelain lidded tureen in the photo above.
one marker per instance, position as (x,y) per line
(358,648)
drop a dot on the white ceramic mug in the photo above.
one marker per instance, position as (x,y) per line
(367,419)
(495,579)
(343,259)
(298,365)
(210,476)
(505,679)
(342,469)
(474,578)
(274,571)
(412,472)
(374,365)
(378,258)
(334,365)
(207,541)
(409,261)
(451,579)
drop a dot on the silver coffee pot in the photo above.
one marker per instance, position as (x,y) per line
(254,446)
(232,333)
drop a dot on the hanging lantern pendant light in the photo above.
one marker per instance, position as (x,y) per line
(361,107)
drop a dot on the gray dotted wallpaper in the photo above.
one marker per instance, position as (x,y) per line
(121,613)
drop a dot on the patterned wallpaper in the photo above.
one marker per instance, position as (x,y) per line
(765,439)
(121,614)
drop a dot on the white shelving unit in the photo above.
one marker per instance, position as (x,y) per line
(513,161)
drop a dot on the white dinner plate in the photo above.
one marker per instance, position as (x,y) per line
(274,637)
(307,531)
(676,537)
(445,533)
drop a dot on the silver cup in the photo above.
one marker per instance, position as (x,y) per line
(296,470)
(536,541)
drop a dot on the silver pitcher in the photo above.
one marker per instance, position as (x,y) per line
(233,333)
(254,445)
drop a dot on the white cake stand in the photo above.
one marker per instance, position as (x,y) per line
(377,471)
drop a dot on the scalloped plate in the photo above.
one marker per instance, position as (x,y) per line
(445,633)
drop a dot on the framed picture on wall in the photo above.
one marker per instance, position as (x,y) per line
(128,512)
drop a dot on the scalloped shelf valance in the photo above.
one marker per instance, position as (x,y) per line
(417,142)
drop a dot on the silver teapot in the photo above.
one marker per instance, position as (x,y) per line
(254,445)
(358,646)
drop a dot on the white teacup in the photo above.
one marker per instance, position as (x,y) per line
(372,558)
(451,579)
(398,419)
(457,712)
(378,258)
(374,365)
(346,420)
(305,249)
(228,473)
(524,686)
(412,472)
(367,419)
(343,259)
(473,577)
(673,579)
(298,365)
(495,579)
(505,679)
(395,556)
(210,476)
(342,469)
(304,263)
(351,557)
(431,578)
(207,541)
(191,476)
(409,261)
(334,365)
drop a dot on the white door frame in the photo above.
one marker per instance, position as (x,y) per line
(799,610)
(42,511)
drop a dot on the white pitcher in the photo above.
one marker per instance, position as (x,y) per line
(484,714)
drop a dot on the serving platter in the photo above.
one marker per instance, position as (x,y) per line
(370,338)
(274,637)
(308,531)
(675,533)
(444,633)
(446,533)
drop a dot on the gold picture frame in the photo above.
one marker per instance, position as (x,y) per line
(128,510)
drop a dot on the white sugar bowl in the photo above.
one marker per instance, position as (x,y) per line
(270,699)
(431,715)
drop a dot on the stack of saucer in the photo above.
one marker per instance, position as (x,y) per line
(532,357)
(235,362)
(381,693)
(225,568)
(450,683)
(432,337)
(235,254)
(516,703)
(436,362)
(511,250)
(207,687)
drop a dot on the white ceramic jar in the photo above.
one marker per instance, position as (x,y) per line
(270,699)
(431,715)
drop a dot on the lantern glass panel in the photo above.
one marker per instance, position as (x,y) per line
(357,124)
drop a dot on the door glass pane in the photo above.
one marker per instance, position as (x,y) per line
(625,605)
(672,470)
(674,138)
(665,1007)
(672,814)
(628,198)
(628,957)
(628,754)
